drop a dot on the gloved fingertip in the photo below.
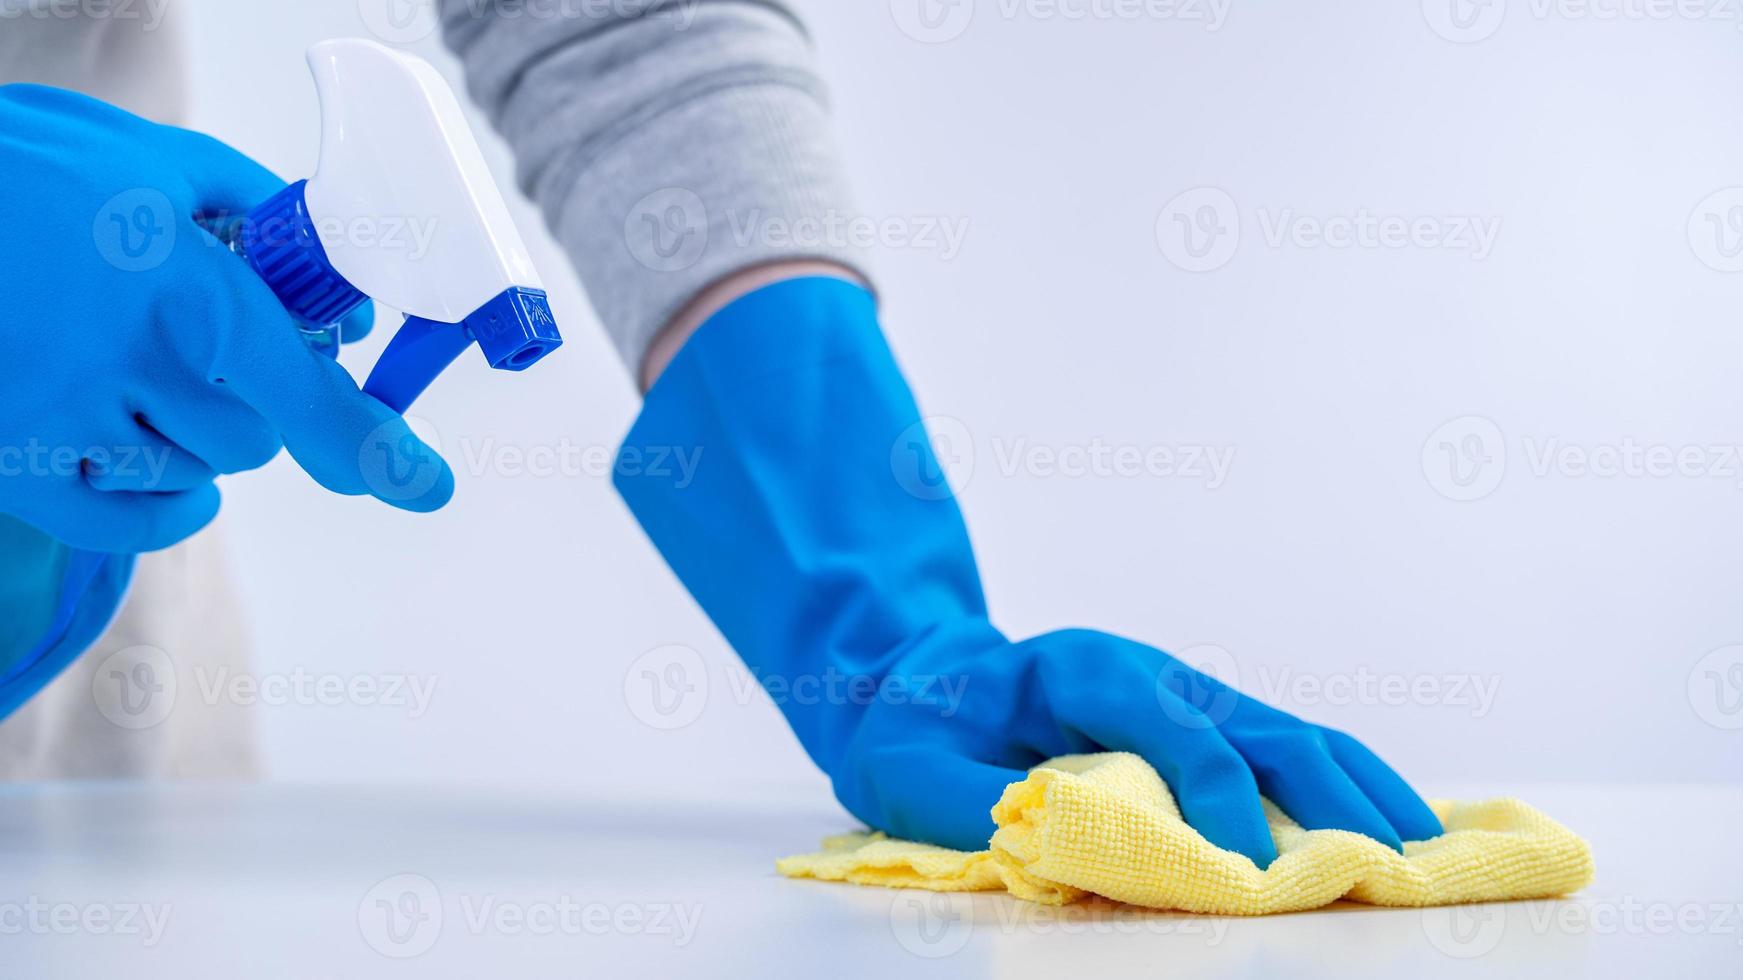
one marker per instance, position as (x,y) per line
(1403,808)
(1258,848)
(1233,822)
(1231,818)
(920,792)
(1414,820)
(440,492)
(1390,838)
(170,518)
(397,467)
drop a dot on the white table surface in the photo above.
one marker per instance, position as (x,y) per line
(295,881)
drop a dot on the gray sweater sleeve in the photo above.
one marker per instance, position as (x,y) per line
(669,143)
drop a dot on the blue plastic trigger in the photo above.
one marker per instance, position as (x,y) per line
(515,330)
(419,352)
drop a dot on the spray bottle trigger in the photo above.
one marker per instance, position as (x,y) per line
(515,330)
(419,351)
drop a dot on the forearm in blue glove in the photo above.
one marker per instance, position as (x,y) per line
(54,602)
(139,358)
(806,537)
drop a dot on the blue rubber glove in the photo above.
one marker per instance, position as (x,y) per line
(810,533)
(139,358)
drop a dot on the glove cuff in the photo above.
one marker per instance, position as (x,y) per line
(796,528)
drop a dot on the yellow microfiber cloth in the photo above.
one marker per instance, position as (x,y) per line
(1106,824)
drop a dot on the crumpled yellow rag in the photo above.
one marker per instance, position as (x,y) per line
(1106,824)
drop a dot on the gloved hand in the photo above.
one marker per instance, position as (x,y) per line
(139,358)
(810,532)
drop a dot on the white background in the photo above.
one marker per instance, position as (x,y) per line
(1331,552)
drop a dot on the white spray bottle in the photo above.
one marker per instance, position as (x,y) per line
(401,209)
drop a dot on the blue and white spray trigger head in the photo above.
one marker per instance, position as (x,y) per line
(401,209)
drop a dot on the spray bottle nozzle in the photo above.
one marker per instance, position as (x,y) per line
(515,329)
(396,151)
